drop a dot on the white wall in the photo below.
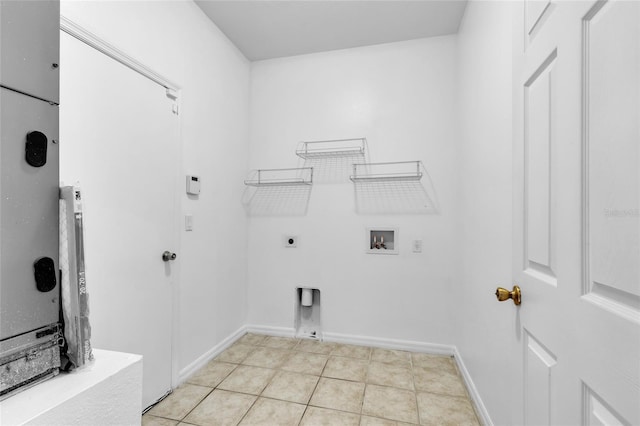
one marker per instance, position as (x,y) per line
(401,97)
(178,41)
(485,329)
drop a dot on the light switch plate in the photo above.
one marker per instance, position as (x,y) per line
(188,222)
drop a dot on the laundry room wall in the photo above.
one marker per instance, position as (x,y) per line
(178,41)
(485,330)
(401,97)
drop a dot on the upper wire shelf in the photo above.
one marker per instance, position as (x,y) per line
(332,148)
(393,171)
(281,177)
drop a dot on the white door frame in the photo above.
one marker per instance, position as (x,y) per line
(173,94)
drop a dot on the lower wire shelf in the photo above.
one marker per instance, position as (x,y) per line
(280,177)
(392,171)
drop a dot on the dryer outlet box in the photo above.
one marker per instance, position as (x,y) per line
(291,241)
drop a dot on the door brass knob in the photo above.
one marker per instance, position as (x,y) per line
(503,294)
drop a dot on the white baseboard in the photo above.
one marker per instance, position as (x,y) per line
(270,330)
(378,342)
(353,339)
(481,410)
(405,345)
(202,360)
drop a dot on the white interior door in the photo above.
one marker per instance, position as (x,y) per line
(576,211)
(119,140)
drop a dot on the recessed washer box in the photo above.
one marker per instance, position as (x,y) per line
(382,240)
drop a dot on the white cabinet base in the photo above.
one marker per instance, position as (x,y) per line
(107,391)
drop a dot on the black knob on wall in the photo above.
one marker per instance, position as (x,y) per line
(36,149)
(44,271)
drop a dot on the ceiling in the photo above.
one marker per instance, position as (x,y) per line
(265,29)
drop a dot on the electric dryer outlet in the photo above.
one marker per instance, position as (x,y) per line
(291,241)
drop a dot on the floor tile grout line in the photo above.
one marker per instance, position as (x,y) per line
(249,409)
(415,395)
(199,402)
(161,417)
(415,390)
(366,377)
(303,413)
(311,396)
(364,395)
(334,409)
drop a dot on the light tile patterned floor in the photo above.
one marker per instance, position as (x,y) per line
(266,380)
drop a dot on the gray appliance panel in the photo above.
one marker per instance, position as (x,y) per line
(29,214)
(29,46)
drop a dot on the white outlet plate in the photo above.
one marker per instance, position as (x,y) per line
(291,241)
(417,246)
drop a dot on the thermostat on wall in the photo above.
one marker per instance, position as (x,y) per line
(193,185)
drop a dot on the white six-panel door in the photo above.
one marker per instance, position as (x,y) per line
(577,210)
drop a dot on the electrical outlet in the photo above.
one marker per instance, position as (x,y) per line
(417,246)
(291,241)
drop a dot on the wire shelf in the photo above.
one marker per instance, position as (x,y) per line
(280,177)
(382,172)
(332,148)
